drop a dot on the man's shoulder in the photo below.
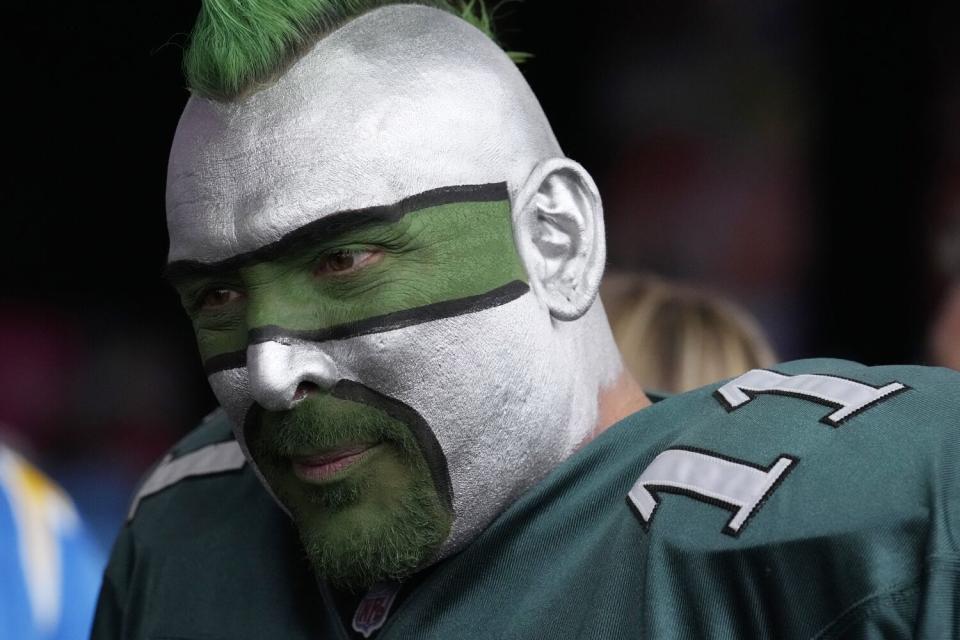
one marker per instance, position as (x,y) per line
(848,398)
(817,412)
(206,551)
(200,475)
(812,432)
(927,379)
(215,428)
(826,483)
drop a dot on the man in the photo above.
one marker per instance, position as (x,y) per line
(392,273)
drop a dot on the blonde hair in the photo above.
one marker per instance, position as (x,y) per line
(674,338)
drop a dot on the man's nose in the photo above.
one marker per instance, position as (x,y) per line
(278,371)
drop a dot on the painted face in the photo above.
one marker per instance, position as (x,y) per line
(328,329)
(344,244)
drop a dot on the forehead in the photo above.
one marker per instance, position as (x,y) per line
(401,101)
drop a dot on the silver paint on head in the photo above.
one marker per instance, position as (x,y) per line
(399,101)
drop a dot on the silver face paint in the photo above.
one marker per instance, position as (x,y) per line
(399,101)
(279,369)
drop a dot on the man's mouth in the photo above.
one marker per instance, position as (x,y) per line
(320,467)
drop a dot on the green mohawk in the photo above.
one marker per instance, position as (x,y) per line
(239,46)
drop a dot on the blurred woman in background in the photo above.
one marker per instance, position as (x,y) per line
(675,338)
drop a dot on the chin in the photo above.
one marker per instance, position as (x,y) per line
(362,544)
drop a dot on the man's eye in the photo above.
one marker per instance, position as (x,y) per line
(219,298)
(345,261)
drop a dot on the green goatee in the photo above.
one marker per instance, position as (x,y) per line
(381,522)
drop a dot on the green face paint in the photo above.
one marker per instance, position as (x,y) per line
(428,257)
(379,517)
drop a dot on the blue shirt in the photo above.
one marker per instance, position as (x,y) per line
(49,568)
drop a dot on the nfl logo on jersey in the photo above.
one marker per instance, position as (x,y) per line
(373,610)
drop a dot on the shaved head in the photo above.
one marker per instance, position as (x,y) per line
(399,87)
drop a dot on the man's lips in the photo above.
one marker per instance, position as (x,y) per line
(321,466)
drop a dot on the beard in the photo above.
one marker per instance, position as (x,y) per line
(389,549)
(382,519)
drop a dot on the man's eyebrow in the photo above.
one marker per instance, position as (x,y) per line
(337,224)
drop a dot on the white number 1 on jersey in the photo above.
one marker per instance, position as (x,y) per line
(848,396)
(737,485)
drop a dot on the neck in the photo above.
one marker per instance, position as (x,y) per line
(618,394)
(615,402)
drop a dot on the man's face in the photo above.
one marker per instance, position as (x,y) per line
(416,303)
(344,244)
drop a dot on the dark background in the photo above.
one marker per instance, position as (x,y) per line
(800,157)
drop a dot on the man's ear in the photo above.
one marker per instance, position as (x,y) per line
(558,219)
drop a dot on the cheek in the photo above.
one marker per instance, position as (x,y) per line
(468,376)
(491,388)
(232,390)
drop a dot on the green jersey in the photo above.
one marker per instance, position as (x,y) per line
(817,500)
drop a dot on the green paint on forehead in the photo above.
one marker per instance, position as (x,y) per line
(437,261)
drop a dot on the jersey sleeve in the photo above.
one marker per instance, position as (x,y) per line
(940,606)
(112,602)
